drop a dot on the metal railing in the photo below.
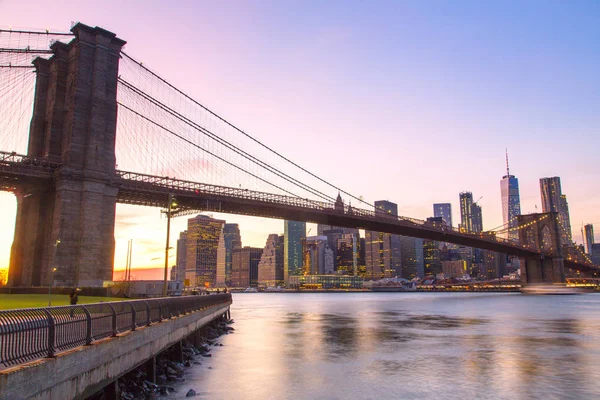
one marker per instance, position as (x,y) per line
(33,333)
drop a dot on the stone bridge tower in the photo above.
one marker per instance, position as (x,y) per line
(65,232)
(541,232)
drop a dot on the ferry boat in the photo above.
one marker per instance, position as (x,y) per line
(555,289)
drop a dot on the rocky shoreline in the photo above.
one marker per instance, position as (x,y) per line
(171,365)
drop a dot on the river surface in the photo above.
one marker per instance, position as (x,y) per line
(405,346)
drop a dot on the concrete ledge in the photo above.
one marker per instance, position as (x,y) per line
(79,373)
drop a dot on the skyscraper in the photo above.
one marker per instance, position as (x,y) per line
(554,201)
(511,203)
(244,266)
(476,218)
(270,266)
(181,256)
(382,253)
(443,210)
(318,256)
(412,257)
(294,233)
(233,240)
(202,246)
(589,238)
(466,200)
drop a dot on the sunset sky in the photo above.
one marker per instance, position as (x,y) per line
(409,101)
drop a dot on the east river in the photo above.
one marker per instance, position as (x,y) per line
(405,346)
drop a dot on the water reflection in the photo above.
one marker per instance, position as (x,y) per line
(368,346)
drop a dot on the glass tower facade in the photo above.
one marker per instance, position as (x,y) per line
(233,240)
(443,210)
(511,204)
(294,233)
(466,201)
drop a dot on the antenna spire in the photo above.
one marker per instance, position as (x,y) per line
(507,171)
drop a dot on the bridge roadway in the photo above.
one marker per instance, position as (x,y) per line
(18,171)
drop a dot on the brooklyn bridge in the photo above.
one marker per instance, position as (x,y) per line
(101,128)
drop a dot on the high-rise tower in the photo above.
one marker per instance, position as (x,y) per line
(443,210)
(294,234)
(466,201)
(511,203)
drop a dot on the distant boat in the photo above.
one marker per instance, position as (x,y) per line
(250,290)
(557,289)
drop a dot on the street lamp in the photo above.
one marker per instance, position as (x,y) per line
(172,204)
(50,288)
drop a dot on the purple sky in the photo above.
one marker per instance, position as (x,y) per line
(407,101)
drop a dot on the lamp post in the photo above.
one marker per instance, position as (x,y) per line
(172,203)
(50,288)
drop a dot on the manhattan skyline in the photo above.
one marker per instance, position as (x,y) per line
(432,107)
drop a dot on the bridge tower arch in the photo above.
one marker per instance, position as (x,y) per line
(540,231)
(64,232)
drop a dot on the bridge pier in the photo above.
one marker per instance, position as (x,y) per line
(70,226)
(540,231)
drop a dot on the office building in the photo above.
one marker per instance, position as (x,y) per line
(233,240)
(589,238)
(596,253)
(476,218)
(493,265)
(382,250)
(180,257)
(244,266)
(454,269)
(270,266)
(318,256)
(511,203)
(203,237)
(221,262)
(346,254)
(554,201)
(466,201)
(411,250)
(294,234)
(432,264)
(444,211)
(326,282)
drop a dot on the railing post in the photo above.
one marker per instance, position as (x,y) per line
(132,316)
(88,334)
(51,333)
(148,320)
(113,320)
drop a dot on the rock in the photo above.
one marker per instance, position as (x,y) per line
(221,344)
(188,364)
(209,367)
(171,371)
(206,355)
(197,363)
(190,393)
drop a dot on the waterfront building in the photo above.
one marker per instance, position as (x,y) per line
(180,257)
(589,238)
(511,203)
(411,250)
(270,266)
(326,282)
(596,253)
(382,252)
(432,264)
(244,266)
(454,269)
(466,201)
(233,240)
(294,234)
(347,254)
(444,211)
(221,262)
(318,256)
(333,235)
(553,200)
(203,237)
(493,265)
